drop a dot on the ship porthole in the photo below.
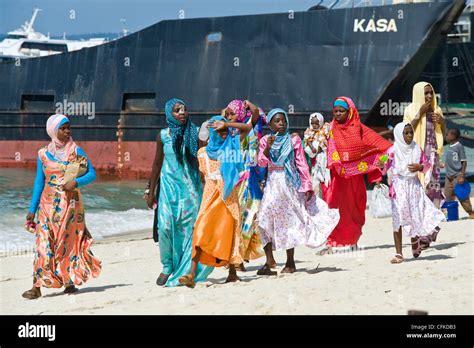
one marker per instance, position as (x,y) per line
(214,37)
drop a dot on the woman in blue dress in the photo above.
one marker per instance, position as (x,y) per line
(180,193)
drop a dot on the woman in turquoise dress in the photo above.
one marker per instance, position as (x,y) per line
(180,193)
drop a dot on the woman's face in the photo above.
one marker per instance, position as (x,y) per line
(230,115)
(315,123)
(340,114)
(180,113)
(428,93)
(64,132)
(278,123)
(408,134)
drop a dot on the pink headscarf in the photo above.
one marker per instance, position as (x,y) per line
(238,107)
(56,147)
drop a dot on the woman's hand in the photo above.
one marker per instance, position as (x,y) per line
(312,148)
(69,186)
(441,165)
(308,195)
(437,118)
(151,201)
(270,141)
(415,167)
(30,217)
(217,125)
(425,108)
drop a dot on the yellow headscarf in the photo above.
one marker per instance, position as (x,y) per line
(420,130)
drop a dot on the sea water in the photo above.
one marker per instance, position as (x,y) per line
(112,207)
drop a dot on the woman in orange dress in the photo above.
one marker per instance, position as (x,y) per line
(216,237)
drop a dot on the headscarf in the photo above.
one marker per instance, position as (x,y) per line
(227,152)
(180,133)
(238,107)
(282,152)
(60,150)
(319,117)
(404,154)
(418,99)
(243,115)
(353,147)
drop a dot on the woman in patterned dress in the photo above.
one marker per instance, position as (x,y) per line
(290,213)
(353,150)
(63,256)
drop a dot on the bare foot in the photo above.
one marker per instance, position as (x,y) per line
(241,268)
(33,293)
(231,278)
(289,268)
(272,264)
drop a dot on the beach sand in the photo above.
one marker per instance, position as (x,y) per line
(363,282)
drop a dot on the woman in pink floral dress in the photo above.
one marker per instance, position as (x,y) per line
(290,213)
(63,256)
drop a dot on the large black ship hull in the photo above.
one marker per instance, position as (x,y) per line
(299,61)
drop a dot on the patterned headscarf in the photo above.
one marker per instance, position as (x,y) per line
(180,133)
(56,147)
(227,152)
(282,152)
(238,107)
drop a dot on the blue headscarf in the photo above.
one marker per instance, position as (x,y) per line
(282,153)
(227,151)
(180,133)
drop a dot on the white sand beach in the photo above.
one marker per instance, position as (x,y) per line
(440,281)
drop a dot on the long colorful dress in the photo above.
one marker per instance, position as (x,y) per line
(250,196)
(63,244)
(433,187)
(353,150)
(285,218)
(178,205)
(217,228)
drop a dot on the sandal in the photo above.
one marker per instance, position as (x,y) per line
(70,289)
(425,242)
(416,248)
(398,258)
(31,295)
(162,279)
(187,280)
(266,270)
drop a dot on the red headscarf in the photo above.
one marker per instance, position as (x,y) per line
(354,147)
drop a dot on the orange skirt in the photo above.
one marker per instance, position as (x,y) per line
(214,233)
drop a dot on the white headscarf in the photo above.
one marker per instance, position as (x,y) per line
(319,117)
(404,154)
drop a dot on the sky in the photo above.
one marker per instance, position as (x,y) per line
(104,16)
